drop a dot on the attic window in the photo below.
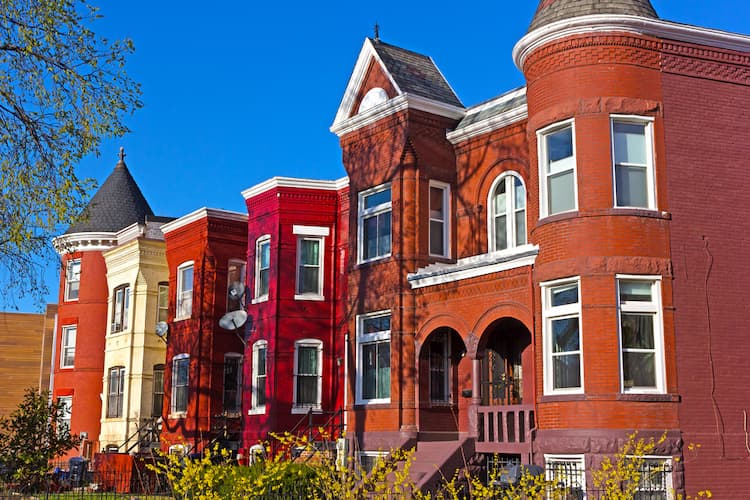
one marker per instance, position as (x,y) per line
(372,98)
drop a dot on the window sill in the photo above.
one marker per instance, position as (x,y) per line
(374,260)
(649,397)
(177,415)
(182,319)
(67,367)
(636,397)
(311,297)
(232,414)
(303,410)
(607,212)
(260,299)
(373,405)
(261,410)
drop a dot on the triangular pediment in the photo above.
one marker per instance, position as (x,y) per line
(385,75)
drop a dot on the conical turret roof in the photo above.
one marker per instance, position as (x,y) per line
(550,11)
(117,204)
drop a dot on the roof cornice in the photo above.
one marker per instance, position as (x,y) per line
(291,182)
(392,106)
(632,24)
(83,242)
(491,123)
(203,213)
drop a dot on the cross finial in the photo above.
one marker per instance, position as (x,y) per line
(122,154)
(377,31)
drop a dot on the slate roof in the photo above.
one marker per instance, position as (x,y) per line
(117,204)
(415,73)
(550,11)
(491,107)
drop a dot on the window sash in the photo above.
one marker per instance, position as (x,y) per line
(68,351)
(180,381)
(375,210)
(641,343)
(308,375)
(557,169)
(236,270)
(157,404)
(115,392)
(439,226)
(563,371)
(232,383)
(507,213)
(258,397)
(72,279)
(184,292)
(632,158)
(121,308)
(162,313)
(309,266)
(262,267)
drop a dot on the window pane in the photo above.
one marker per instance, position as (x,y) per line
(308,277)
(637,331)
(632,186)
(163,303)
(561,192)
(436,203)
(436,238)
(181,372)
(307,390)
(635,291)
(384,233)
(265,255)
(263,282)
(567,371)
(376,324)
(384,369)
(307,360)
(521,227)
(375,199)
(309,252)
(501,232)
(500,201)
(261,388)
(370,237)
(559,147)
(369,373)
(565,336)
(639,369)
(520,193)
(630,142)
(261,361)
(566,294)
(187,278)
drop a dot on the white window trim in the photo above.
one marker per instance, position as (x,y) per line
(542,158)
(317,295)
(317,344)
(173,413)
(64,346)
(238,402)
(365,339)
(446,189)
(654,307)
(510,215)
(648,121)
(373,454)
(159,308)
(266,238)
(179,299)
(362,213)
(579,458)
(68,281)
(255,409)
(560,312)
(124,309)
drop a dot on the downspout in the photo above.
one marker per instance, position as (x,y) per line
(131,324)
(202,281)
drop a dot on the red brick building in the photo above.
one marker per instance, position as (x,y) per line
(206,252)
(297,250)
(542,274)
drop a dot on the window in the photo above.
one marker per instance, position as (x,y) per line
(567,471)
(308,371)
(557,164)
(66,410)
(374,223)
(232,382)
(369,460)
(180,378)
(68,348)
(115,390)
(507,217)
(640,334)
(184,291)
(309,267)
(655,481)
(633,159)
(120,308)
(563,370)
(162,309)
(439,222)
(158,393)
(72,279)
(439,364)
(374,358)
(235,276)
(262,267)
(258,403)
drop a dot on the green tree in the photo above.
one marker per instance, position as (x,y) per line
(62,90)
(30,437)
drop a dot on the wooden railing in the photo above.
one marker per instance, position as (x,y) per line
(504,429)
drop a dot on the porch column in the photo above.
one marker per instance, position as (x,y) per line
(476,374)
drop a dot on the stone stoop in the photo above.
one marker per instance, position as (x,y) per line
(434,461)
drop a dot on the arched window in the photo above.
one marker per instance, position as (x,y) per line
(507,213)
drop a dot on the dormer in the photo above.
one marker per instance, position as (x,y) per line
(387,79)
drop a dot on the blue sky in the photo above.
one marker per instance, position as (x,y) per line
(236,92)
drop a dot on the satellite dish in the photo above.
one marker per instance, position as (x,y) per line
(162,327)
(236,290)
(233,320)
